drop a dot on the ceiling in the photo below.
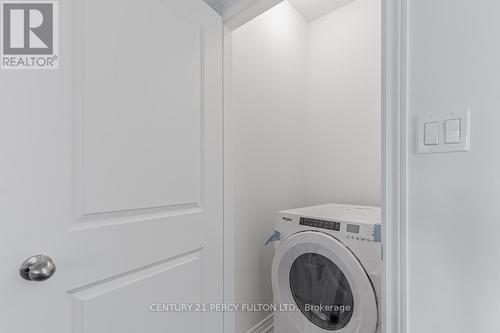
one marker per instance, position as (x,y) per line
(314,9)
(237,12)
(220,5)
(309,9)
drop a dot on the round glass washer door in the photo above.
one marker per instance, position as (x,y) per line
(321,291)
(326,282)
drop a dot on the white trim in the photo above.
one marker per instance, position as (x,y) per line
(265,326)
(229,298)
(394,160)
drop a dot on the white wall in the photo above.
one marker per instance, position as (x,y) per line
(454,224)
(344,75)
(267,124)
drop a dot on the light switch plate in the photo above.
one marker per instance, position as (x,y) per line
(441,118)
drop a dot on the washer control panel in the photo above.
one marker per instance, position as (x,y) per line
(361,232)
(331,225)
(360,223)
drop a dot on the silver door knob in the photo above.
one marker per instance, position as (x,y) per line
(37,268)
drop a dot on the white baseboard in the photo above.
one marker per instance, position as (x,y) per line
(265,326)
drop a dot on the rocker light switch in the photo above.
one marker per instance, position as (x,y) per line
(452,131)
(443,132)
(431,133)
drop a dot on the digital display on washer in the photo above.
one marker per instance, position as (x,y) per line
(320,223)
(353,228)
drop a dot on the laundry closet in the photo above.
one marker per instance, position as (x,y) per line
(302,126)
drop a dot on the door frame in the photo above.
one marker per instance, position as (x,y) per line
(394,148)
(228,189)
(395,164)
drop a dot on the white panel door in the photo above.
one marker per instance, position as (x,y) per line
(112,166)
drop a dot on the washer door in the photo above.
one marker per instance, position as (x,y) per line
(326,282)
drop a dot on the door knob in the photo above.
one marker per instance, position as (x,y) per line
(37,268)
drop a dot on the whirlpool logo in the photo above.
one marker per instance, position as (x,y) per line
(29,35)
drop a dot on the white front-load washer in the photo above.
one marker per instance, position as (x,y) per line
(326,273)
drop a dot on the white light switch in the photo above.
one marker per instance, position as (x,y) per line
(443,132)
(452,131)
(431,133)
